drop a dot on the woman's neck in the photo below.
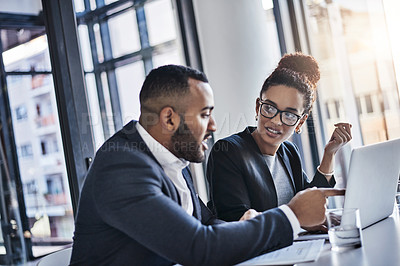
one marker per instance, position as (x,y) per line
(264,147)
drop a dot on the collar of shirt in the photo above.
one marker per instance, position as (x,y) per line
(172,167)
(162,154)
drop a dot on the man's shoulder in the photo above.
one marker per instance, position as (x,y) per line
(126,142)
(124,153)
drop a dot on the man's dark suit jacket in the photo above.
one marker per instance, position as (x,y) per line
(240,179)
(130,214)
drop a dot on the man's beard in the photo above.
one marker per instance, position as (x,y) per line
(184,144)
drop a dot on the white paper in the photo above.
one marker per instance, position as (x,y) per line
(302,251)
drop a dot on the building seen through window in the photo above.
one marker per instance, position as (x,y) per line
(352,43)
(42,160)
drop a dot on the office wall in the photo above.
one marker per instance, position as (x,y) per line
(238,54)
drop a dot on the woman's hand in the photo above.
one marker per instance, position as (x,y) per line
(249,214)
(340,136)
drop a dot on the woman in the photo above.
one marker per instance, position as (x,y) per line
(258,168)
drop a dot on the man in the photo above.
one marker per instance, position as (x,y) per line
(138,205)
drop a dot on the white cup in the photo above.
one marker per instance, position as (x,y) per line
(344,228)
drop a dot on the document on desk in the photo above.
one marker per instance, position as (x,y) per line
(302,251)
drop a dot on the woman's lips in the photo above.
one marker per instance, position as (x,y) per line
(272,132)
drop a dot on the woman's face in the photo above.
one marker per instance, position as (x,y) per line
(271,131)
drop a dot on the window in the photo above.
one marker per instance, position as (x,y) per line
(49,145)
(32,97)
(54,185)
(359,108)
(120,46)
(386,103)
(21,112)
(30,187)
(124,41)
(337,108)
(25,151)
(368,103)
(327,111)
(354,45)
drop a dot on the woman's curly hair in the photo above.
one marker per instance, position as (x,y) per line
(297,71)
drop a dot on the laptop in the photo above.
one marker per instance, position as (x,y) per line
(372,180)
(371,183)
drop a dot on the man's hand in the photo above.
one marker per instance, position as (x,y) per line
(317,229)
(249,214)
(309,205)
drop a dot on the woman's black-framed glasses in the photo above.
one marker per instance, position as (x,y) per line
(287,118)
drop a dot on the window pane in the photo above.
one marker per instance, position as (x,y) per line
(99,45)
(337,108)
(124,33)
(130,79)
(37,50)
(386,102)
(21,112)
(169,57)
(109,1)
(93,5)
(107,102)
(160,21)
(368,103)
(79,6)
(95,115)
(86,51)
(40,152)
(273,45)
(327,110)
(358,102)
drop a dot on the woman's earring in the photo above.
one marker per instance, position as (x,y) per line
(298,131)
(256,118)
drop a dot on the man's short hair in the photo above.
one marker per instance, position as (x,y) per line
(165,85)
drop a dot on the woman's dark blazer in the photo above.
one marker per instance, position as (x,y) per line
(240,179)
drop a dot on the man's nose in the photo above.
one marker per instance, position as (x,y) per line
(212,125)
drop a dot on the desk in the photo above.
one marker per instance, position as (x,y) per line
(380,246)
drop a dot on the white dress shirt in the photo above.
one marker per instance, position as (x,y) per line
(294,222)
(172,166)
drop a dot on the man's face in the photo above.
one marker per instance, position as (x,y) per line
(196,125)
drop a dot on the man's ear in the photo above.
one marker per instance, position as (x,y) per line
(302,120)
(169,119)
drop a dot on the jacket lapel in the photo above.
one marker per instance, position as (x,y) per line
(196,205)
(133,135)
(260,162)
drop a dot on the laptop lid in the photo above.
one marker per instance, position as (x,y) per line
(372,180)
